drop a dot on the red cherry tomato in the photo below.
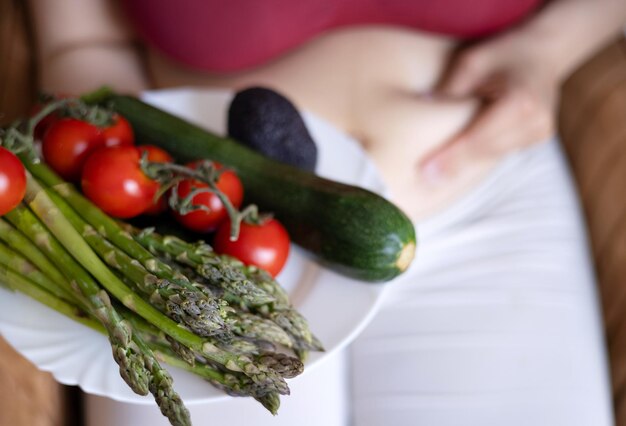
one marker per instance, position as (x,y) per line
(67,144)
(118,133)
(12,181)
(265,246)
(207,221)
(156,155)
(113,180)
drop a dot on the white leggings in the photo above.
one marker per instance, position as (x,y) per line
(497,323)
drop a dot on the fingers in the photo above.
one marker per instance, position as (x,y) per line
(512,122)
(468,71)
(519,107)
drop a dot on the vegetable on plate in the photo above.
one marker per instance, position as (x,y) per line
(156,297)
(117,132)
(264,244)
(209,211)
(12,181)
(113,179)
(67,144)
(267,122)
(350,229)
(157,155)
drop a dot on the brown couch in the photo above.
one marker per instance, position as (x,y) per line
(592,124)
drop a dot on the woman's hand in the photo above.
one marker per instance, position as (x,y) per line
(518,75)
(519,91)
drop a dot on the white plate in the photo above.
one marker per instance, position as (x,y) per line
(336,307)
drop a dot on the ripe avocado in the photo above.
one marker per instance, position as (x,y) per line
(270,124)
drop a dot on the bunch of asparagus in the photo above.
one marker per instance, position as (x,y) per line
(157,298)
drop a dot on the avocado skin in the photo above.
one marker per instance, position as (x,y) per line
(270,124)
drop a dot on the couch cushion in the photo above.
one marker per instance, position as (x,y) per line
(592,124)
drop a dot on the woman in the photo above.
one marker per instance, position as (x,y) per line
(497,321)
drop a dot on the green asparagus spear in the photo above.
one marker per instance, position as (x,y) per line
(254,327)
(48,213)
(270,401)
(202,258)
(170,403)
(21,244)
(161,387)
(108,227)
(262,280)
(202,315)
(232,383)
(125,353)
(23,282)
(236,287)
(20,275)
(15,261)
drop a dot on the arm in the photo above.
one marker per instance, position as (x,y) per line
(570,31)
(518,74)
(82,45)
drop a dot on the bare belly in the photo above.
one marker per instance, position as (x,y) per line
(372,83)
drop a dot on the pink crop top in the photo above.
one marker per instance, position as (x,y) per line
(230,35)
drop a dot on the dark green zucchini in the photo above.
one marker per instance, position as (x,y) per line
(352,230)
